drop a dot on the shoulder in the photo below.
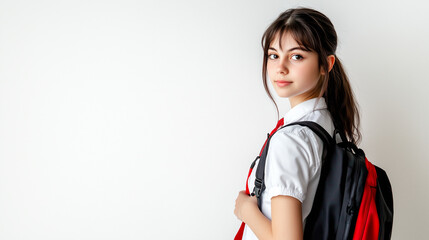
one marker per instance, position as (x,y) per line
(292,162)
(296,142)
(320,116)
(301,135)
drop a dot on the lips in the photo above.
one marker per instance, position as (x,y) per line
(281,83)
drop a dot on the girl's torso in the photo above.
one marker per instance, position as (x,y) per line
(293,160)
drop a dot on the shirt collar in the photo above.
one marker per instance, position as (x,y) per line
(302,109)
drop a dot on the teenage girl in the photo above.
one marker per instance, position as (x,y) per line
(300,60)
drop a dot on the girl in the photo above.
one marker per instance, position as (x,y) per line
(300,60)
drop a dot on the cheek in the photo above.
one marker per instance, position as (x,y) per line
(309,72)
(270,71)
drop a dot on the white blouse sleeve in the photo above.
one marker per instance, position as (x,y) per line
(291,163)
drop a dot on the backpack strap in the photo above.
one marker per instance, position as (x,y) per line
(328,141)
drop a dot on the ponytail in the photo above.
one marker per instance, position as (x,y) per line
(341,103)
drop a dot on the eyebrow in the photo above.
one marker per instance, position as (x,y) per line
(294,48)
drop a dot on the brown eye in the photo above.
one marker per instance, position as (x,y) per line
(298,57)
(269,56)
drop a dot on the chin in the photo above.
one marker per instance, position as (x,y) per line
(282,94)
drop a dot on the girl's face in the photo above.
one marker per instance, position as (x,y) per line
(292,70)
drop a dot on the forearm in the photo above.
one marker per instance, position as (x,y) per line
(259,224)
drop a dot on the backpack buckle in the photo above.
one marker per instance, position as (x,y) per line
(257,189)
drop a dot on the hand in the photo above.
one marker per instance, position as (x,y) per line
(243,204)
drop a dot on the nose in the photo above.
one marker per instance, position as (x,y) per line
(281,67)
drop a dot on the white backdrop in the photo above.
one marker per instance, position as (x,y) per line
(139,119)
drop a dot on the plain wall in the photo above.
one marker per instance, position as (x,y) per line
(139,119)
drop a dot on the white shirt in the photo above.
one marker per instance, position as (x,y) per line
(293,160)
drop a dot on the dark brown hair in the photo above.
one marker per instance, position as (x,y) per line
(312,30)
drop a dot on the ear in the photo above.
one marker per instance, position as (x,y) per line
(331,62)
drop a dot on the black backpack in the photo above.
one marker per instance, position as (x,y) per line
(341,187)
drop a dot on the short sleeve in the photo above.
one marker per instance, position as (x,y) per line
(290,164)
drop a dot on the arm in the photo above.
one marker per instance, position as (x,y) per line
(290,165)
(286,214)
(286,220)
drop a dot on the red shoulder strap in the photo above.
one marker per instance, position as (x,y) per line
(239,234)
